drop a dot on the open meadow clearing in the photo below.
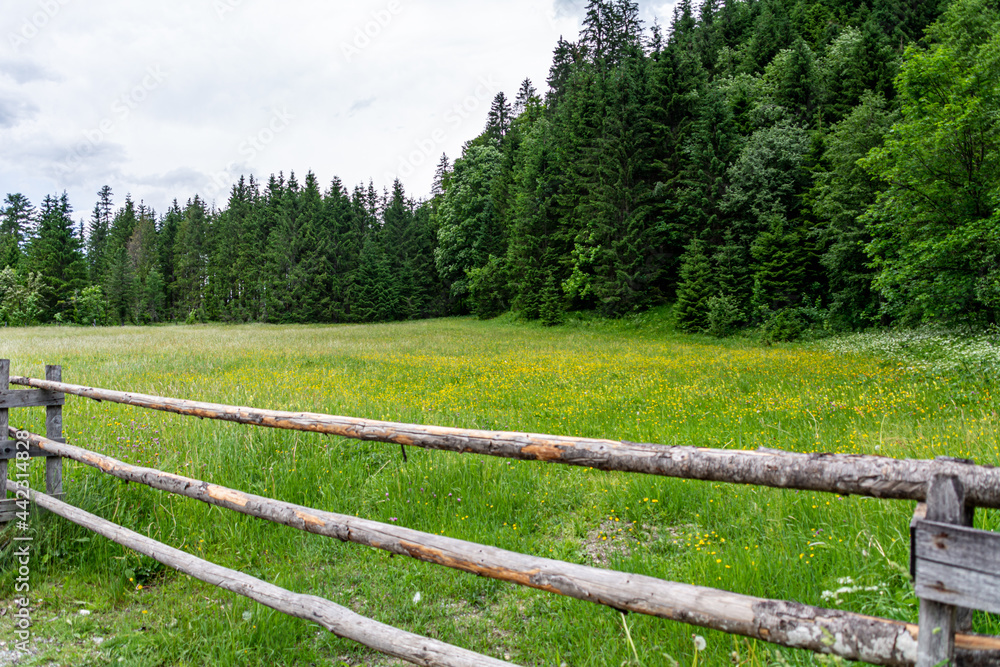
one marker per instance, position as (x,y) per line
(623,381)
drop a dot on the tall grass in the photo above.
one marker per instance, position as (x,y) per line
(633,381)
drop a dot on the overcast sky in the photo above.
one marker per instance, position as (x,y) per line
(165,99)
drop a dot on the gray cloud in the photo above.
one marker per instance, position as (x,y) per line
(25,71)
(360,105)
(13,112)
(363,84)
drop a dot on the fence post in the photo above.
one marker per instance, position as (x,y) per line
(4,436)
(936,645)
(54,431)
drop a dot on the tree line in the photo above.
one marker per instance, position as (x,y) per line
(780,164)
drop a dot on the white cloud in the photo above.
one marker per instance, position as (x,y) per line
(163,100)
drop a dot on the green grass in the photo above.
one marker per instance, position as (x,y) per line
(633,380)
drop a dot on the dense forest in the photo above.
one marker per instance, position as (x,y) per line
(786,165)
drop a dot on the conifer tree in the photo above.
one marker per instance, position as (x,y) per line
(56,253)
(16,226)
(500,117)
(98,234)
(441,176)
(374,299)
(341,217)
(695,288)
(467,222)
(166,247)
(190,254)
(525,94)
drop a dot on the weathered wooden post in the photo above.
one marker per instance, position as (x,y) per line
(956,570)
(936,645)
(52,401)
(54,431)
(7,448)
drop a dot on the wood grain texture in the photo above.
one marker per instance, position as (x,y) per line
(958,565)
(31,398)
(844,474)
(936,645)
(852,636)
(53,431)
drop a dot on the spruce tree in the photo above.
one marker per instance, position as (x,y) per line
(695,288)
(16,227)
(190,260)
(499,120)
(525,95)
(97,237)
(56,253)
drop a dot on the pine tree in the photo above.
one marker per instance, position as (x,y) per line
(784,262)
(467,225)
(532,257)
(167,241)
(190,256)
(97,237)
(615,251)
(731,264)
(797,84)
(16,226)
(695,288)
(56,253)
(441,176)
(143,259)
(843,191)
(525,94)
(500,117)
(565,56)
(345,243)
(374,298)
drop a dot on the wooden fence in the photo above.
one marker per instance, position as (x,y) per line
(956,568)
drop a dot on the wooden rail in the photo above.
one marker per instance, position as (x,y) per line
(876,476)
(874,640)
(337,619)
(954,566)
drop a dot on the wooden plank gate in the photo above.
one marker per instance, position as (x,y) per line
(956,568)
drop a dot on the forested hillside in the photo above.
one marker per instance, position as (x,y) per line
(781,164)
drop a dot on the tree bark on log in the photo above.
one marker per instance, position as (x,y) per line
(844,474)
(339,620)
(851,636)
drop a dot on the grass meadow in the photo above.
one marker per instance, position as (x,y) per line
(632,380)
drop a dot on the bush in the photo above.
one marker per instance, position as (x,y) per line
(488,288)
(20,298)
(724,315)
(88,306)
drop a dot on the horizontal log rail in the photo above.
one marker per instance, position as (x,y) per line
(844,474)
(858,637)
(337,619)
